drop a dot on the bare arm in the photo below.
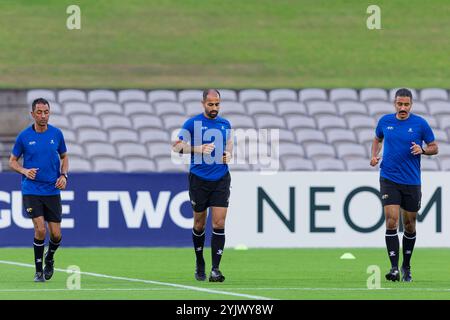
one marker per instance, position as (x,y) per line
(431,149)
(61,182)
(16,166)
(180,146)
(376,148)
(228,151)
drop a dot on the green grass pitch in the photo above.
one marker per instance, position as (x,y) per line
(167,273)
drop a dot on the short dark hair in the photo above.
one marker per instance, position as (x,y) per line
(39,101)
(207,91)
(403,92)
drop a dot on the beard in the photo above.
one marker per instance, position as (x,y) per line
(213,114)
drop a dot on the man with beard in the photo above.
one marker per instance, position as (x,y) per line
(400,183)
(207,138)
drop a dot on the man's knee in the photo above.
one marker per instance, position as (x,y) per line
(219,224)
(391,223)
(410,226)
(40,232)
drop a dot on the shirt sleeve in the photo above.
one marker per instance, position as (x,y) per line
(17,150)
(187,131)
(427,133)
(62,144)
(379,130)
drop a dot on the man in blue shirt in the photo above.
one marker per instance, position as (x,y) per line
(400,185)
(44,174)
(207,138)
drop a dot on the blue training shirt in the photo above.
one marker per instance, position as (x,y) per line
(399,164)
(200,130)
(40,150)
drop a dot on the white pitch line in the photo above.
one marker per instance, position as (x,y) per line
(98,275)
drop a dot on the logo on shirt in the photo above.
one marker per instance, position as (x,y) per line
(410,130)
(204,128)
(52,142)
(223,128)
(32,143)
(390,128)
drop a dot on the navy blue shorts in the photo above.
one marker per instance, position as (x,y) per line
(48,207)
(204,194)
(408,197)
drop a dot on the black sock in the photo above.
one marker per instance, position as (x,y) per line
(217,245)
(392,245)
(409,239)
(198,237)
(38,253)
(52,246)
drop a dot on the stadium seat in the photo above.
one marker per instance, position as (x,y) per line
(98,149)
(260,107)
(330,165)
(159,149)
(161,95)
(40,93)
(79,165)
(76,150)
(146,121)
(169,107)
(190,95)
(107,108)
(59,121)
(444,150)
(373,94)
(166,165)
(85,121)
(312,94)
(252,95)
(444,122)
(377,108)
(228,107)
(359,165)
(136,164)
(438,108)
(319,150)
(343,94)
(227,95)
(297,164)
(55,108)
(123,135)
(282,95)
(340,135)
(445,164)
(433,94)
(419,108)
(71,95)
(296,122)
(133,108)
(429,164)
(320,107)
(173,121)
(194,108)
(286,135)
(309,135)
(328,121)
(241,121)
(269,121)
(69,135)
(350,151)
(291,149)
(131,95)
(131,149)
(116,122)
(360,121)
(108,165)
(91,135)
(94,96)
(365,135)
(239,167)
(286,108)
(153,135)
(440,136)
(350,107)
(76,108)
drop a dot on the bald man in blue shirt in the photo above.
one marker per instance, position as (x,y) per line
(403,134)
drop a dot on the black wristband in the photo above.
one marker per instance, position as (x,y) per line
(423,150)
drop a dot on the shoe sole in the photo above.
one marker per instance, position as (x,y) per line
(200,278)
(217,279)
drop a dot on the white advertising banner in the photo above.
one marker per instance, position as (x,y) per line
(326,209)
